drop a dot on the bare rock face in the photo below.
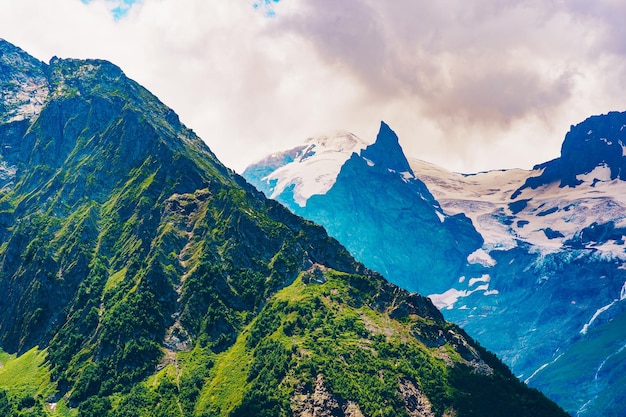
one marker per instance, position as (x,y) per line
(353,410)
(23,84)
(321,403)
(417,405)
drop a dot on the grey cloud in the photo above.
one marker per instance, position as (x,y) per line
(457,60)
(347,34)
(499,97)
(608,17)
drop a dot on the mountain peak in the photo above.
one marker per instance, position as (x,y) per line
(599,141)
(593,151)
(386,151)
(76,76)
(306,170)
(6,46)
(339,141)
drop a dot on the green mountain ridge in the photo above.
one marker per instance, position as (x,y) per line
(143,278)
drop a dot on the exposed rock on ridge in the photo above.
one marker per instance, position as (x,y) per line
(599,141)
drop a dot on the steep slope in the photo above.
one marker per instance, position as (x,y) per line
(374,195)
(546,284)
(143,278)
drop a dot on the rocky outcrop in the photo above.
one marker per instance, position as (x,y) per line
(320,402)
(23,84)
(417,405)
(599,141)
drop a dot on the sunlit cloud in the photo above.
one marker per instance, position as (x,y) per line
(469,85)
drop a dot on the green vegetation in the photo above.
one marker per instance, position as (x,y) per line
(320,329)
(26,388)
(26,375)
(156,282)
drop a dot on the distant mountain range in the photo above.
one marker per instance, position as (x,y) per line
(532,263)
(141,277)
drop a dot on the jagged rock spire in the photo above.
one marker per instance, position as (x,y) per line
(387,151)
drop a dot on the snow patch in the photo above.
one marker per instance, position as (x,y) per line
(601,172)
(449,298)
(407,176)
(482,257)
(595,316)
(484,278)
(315,169)
(622,294)
(485,199)
(480,288)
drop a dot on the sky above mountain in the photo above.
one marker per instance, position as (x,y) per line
(468,85)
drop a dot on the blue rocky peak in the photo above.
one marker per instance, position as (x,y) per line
(386,151)
(597,142)
(6,46)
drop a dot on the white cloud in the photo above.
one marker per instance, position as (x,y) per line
(469,85)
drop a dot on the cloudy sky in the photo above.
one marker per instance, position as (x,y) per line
(470,85)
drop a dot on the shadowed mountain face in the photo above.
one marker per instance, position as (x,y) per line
(598,142)
(382,213)
(143,278)
(530,262)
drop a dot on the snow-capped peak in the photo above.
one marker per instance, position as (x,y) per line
(315,166)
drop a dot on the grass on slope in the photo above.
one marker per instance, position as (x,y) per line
(26,380)
(26,375)
(228,379)
(319,328)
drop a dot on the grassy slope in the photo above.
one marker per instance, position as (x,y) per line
(26,377)
(329,329)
